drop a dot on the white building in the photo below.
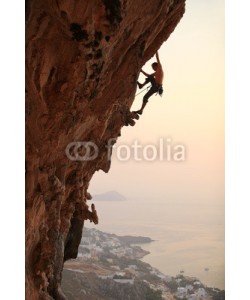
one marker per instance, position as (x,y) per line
(84,255)
(105,277)
(201,292)
(189,287)
(115,267)
(181,292)
(134,267)
(130,281)
(120,273)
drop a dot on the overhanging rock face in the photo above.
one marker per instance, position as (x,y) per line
(82,62)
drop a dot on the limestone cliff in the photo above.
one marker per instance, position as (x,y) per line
(82,62)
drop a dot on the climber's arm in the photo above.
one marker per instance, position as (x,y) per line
(146,74)
(157,58)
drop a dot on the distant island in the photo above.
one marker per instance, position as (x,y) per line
(108,267)
(109,196)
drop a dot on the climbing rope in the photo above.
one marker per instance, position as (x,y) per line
(147,88)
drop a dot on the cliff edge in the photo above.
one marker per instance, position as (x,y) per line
(83,59)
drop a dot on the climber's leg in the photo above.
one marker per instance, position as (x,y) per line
(141,85)
(151,92)
(147,80)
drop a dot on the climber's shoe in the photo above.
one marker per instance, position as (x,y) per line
(134,115)
(139,112)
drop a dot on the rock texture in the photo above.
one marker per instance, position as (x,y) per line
(82,62)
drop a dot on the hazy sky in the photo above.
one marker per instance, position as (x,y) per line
(190,113)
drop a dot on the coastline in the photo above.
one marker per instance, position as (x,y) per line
(190,241)
(108,259)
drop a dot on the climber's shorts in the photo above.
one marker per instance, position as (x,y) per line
(155,88)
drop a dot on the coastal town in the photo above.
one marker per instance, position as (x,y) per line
(111,265)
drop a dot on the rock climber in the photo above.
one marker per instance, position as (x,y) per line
(155,79)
